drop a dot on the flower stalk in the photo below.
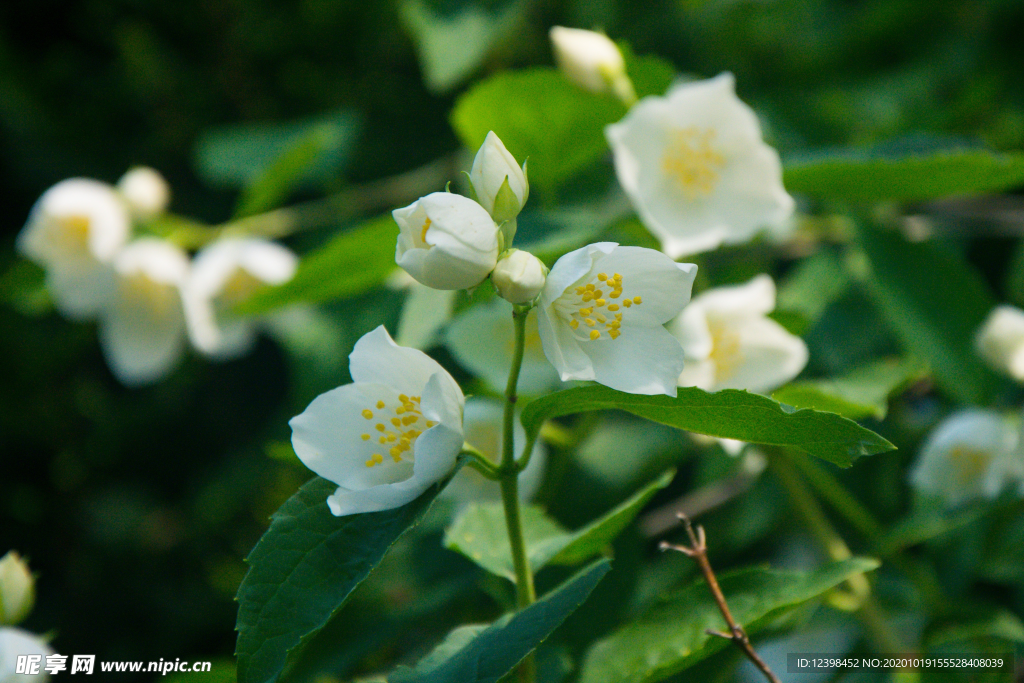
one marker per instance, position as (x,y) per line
(509,480)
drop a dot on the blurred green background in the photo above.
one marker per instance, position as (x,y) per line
(135,507)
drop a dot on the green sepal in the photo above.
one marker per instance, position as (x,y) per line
(506,204)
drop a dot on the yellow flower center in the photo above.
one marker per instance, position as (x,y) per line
(970,464)
(590,309)
(423,235)
(396,429)
(692,161)
(73,233)
(726,350)
(238,287)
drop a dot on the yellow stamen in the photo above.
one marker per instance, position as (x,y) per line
(380,405)
(395,421)
(426,226)
(600,302)
(586,311)
(616,293)
(378,458)
(614,334)
(591,288)
(370,463)
(587,296)
(382,439)
(380,427)
(594,334)
(574,324)
(627,303)
(589,322)
(367,413)
(613,307)
(366,437)
(602,276)
(409,419)
(637,300)
(601,318)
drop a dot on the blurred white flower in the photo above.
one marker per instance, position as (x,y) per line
(492,167)
(696,169)
(482,340)
(388,436)
(446,241)
(145,191)
(1000,341)
(971,454)
(730,343)
(142,329)
(225,274)
(592,61)
(602,312)
(519,276)
(424,311)
(14,642)
(75,231)
(482,425)
(17,589)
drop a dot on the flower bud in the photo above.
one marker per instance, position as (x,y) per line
(519,277)
(17,592)
(1000,341)
(500,184)
(446,241)
(592,61)
(145,190)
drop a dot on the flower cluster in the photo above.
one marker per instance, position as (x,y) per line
(146,294)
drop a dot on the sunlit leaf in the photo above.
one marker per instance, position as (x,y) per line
(670,636)
(727,414)
(483,654)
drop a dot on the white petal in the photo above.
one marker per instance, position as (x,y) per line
(376,498)
(643,360)
(770,357)
(376,358)
(756,297)
(562,348)
(80,290)
(15,642)
(663,284)
(481,340)
(691,329)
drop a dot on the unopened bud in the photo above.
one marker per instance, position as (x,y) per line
(592,61)
(519,277)
(17,591)
(500,184)
(145,190)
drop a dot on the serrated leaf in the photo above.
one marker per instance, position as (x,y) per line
(935,303)
(863,392)
(236,155)
(483,654)
(729,414)
(539,115)
(670,636)
(480,533)
(353,262)
(303,570)
(854,176)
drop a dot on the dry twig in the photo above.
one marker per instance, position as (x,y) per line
(698,551)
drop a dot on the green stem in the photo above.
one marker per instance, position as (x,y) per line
(509,478)
(480,462)
(860,598)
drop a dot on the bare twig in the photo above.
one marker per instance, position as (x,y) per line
(698,551)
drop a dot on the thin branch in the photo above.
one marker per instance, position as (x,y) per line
(698,551)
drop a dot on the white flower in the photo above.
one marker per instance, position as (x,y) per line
(17,592)
(1000,341)
(14,642)
(971,454)
(492,167)
(424,311)
(385,438)
(592,61)
(482,340)
(482,424)
(145,190)
(446,241)
(696,169)
(602,312)
(730,343)
(142,329)
(519,277)
(74,231)
(225,274)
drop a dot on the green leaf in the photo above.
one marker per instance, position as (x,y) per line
(481,535)
(23,287)
(935,303)
(651,75)
(813,284)
(483,654)
(864,392)
(727,414)
(539,115)
(670,636)
(303,570)
(237,155)
(275,182)
(452,46)
(354,262)
(872,177)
